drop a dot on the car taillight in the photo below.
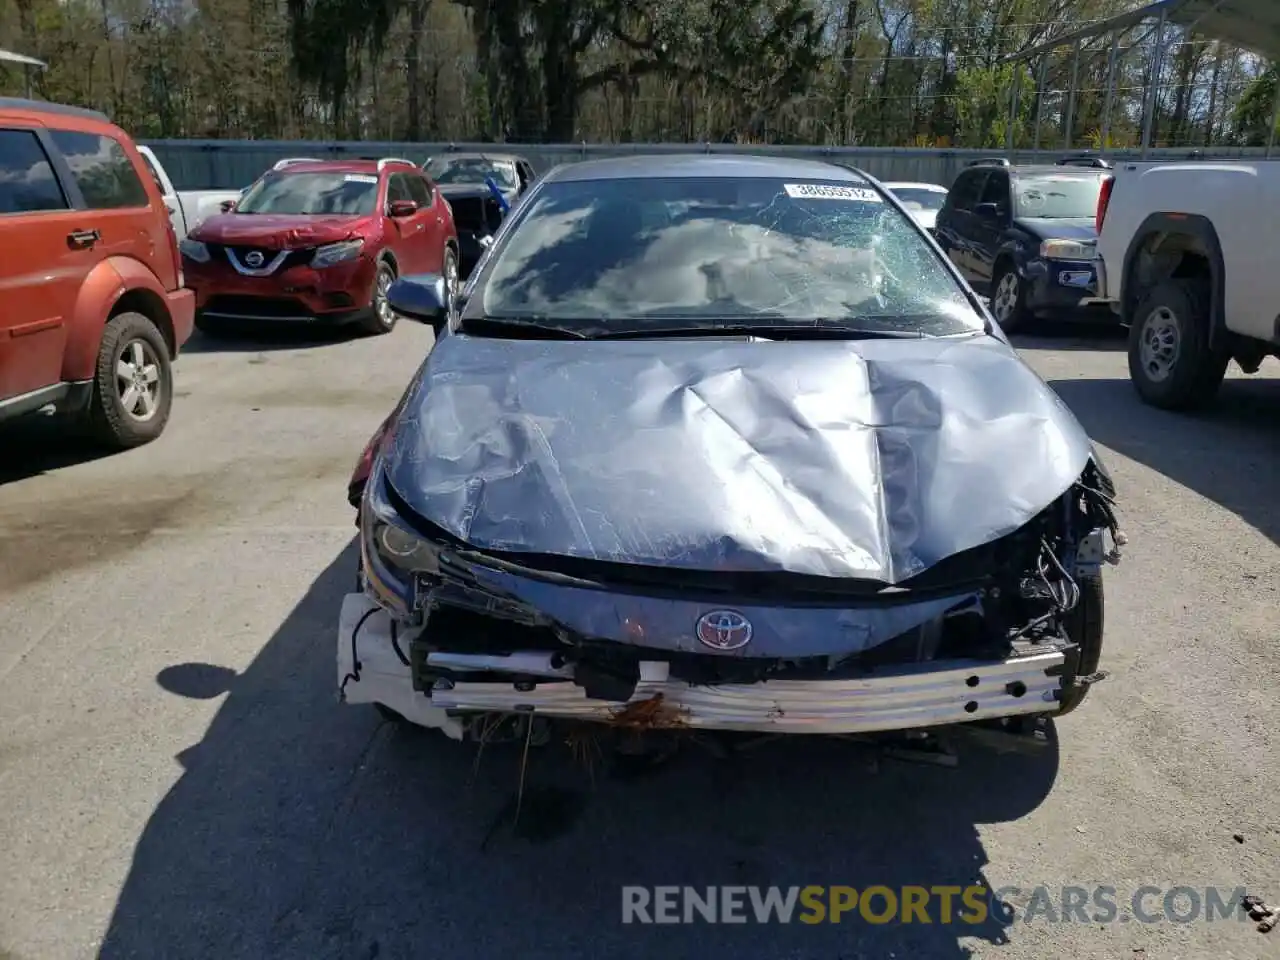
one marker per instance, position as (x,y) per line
(1104,198)
(174,252)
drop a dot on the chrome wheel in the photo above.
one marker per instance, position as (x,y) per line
(1159,343)
(381,305)
(1005,299)
(138,380)
(451,278)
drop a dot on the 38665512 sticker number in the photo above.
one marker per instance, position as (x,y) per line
(827,191)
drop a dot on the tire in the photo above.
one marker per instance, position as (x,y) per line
(449,270)
(126,413)
(1085,627)
(1009,299)
(381,319)
(1171,363)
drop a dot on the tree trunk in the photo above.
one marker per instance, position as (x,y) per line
(413,67)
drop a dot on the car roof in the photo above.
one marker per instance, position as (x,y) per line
(503,157)
(342,166)
(1045,169)
(702,165)
(66,116)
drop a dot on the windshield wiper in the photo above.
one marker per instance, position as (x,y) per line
(527,326)
(808,330)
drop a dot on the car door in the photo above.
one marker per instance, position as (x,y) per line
(989,229)
(42,266)
(432,212)
(956,232)
(412,241)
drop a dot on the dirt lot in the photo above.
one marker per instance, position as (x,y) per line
(177,781)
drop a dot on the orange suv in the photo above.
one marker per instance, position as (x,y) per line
(94,309)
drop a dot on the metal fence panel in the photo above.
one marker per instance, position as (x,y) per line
(232,164)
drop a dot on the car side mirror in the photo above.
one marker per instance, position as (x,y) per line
(228,205)
(402,208)
(422,297)
(988,211)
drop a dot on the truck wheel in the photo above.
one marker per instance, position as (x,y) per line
(1170,361)
(1084,627)
(382,319)
(1009,299)
(133,383)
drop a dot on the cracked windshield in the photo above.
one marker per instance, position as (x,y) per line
(622,254)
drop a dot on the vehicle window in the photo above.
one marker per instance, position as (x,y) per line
(312,194)
(471,170)
(398,188)
(967,188)
(996,190)
(155,174)
(627,252)
(27,182)
(419,192)
(102,170)
(919,199)
(1057,197)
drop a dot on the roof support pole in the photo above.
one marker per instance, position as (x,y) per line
(1040,92)
(1071,96)
(1153,87)
(1112,62)
(1275,113)
(1016,80)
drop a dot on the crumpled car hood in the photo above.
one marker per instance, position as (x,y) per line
(867,459)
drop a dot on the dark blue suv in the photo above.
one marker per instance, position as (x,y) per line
(1026,235)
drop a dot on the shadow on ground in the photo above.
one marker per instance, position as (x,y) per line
(258,338)
(1229,453)
(1072,335)
(301,829)
(37,445)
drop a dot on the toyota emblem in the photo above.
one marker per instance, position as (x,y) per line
(254,258)
(724,630)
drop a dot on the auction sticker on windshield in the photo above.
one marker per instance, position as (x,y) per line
(360,178)
(826,191)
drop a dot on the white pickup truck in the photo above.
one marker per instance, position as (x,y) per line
(188,207)
(1187,257)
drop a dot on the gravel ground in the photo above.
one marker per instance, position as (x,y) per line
(177,781)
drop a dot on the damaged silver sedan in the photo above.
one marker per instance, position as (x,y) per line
(722,443)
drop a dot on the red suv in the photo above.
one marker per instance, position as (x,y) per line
(94,310)
(320,241)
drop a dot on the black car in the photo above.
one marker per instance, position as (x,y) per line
(1026,234)
(464,180)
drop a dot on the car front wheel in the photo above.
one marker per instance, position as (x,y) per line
(382,319)
(1009,299)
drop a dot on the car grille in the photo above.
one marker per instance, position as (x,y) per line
(476,214)
(256,308)
(296,258)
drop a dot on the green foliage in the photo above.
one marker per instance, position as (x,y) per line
(1256,109)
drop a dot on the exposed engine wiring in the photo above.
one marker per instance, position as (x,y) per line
(395,644)
(355,659)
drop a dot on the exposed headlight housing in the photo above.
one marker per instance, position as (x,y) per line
(194,250)
(1067,250)
(332,253)
(402,551)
